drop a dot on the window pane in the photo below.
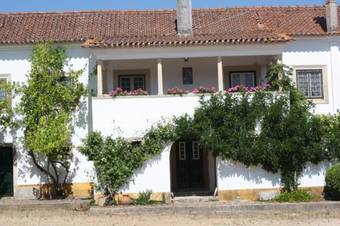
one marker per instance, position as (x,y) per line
(182,151)
(195,150)
(187,76)
(302,82)
(2,91)
(315,84)
(125,83)
(235,79)
(249,79)
(138,83)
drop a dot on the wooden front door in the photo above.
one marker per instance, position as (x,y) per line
(6,171)
(189,167)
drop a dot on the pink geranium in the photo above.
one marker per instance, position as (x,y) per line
(240,88)
(177,91)
(203,90)
(120,92)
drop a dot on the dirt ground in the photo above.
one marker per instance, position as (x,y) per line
(62,218)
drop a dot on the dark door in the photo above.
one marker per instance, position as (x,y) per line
(189,167)
(6,171)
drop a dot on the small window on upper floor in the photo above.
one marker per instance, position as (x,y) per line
(246,79)
(132,82)
(309,82)
(188,77)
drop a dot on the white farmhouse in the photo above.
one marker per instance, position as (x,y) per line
(158,50)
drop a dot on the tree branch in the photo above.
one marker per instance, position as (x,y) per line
(44,171)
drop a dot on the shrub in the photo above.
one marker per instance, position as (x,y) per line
(332,189)
(295,196)
(144,198)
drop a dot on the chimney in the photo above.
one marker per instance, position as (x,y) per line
(331,16)
(184,18)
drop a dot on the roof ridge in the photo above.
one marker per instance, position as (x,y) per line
(163,10)
(87,11)
(265,7)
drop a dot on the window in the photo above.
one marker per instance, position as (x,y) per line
(309,82)
(196,150)
(246,79)
(187,76)
(3,81)
(182,151)
(132,82)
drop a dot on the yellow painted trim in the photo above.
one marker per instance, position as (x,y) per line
(75,190)
(253,194)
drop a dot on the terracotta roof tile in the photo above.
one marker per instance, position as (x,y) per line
(158,28)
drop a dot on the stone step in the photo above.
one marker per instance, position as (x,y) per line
(194,199)
(10,204)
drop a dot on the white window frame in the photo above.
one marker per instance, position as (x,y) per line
(132,77)
(196,150)
(242,74)
(307,72)
(316,100)
(182,152)
(6,76)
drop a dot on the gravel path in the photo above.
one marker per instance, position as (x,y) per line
(64,218)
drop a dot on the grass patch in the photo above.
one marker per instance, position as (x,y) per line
(144,199)
(296,196)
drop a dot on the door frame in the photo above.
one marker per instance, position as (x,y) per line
(210,174)
(14,166)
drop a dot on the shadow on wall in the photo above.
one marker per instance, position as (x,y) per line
(82,115)
(141,171)
(28,173)
(316,170)
(257,175)
(254,174)
(321,20)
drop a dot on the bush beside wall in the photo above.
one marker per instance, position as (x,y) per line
(332,188)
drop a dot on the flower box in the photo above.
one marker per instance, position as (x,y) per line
(238,89)
(120,92)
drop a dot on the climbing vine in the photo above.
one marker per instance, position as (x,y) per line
(116,160)
(273,129)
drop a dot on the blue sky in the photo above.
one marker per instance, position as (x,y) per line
(62,5)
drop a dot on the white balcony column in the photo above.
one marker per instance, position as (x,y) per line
(279,61)
(99,78)
(160,76)
(264,71)
(220,73)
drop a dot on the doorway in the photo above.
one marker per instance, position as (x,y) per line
(192,169)
(6,171)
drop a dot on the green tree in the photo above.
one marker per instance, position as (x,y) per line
(278,132)
(6,110)
(48,105)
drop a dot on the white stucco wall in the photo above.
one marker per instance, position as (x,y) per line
(14,61)
(130,117)
(154,175)
(318,52)
(236,176)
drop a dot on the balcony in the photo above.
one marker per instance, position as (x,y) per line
(161,76)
